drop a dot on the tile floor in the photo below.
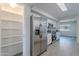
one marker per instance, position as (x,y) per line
(66,46)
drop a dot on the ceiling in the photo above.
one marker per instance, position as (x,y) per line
(18,9)
(55,11)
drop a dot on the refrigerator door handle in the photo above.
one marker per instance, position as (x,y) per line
(40,35)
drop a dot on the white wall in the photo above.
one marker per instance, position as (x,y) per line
(77,19)
(72,28)
(77,25)
(26,30)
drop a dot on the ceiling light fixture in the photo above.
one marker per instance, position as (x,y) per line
(13,5)
(62,6)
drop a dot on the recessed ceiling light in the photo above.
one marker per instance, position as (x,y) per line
(62,6)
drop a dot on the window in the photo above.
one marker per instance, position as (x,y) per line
(65,27)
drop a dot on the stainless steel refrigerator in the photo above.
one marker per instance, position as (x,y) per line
(38,33)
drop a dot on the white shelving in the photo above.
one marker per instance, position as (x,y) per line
(11,34)
(10,44)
